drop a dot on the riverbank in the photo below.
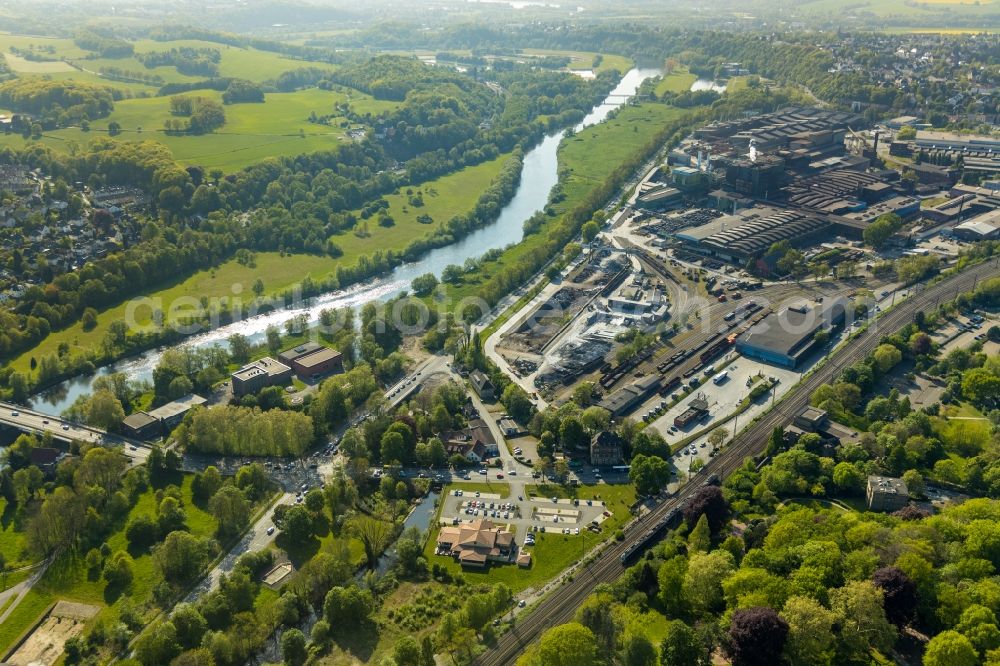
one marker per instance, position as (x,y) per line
(539,174)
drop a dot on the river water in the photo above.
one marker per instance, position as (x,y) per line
(539,175)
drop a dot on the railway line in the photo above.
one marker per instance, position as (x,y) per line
(560,605)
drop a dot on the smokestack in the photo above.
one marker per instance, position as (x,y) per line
(700,155)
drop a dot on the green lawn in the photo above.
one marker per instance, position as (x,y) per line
(552,553)
(678,81)
(470,489)
(588,157)
(67,577)
(11,541)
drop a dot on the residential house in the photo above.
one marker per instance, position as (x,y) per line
(482,385)
(606,448)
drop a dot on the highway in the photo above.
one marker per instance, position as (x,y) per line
(561,604)
(30,421)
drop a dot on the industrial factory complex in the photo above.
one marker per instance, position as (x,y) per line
(739,261)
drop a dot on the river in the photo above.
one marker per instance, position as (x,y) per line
(539,174)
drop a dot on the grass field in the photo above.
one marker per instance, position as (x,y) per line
(584,60)
(11,541)
(67,577)
(677,81)
(588,157)
(552,553)
(252,132)
(444,198)
(495,487)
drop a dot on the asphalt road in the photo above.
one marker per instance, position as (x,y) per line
(28,420)
(561,604)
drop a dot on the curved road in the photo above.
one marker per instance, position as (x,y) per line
(560,605)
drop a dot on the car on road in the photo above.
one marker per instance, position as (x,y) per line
(499,476)
(65,426)
(132,448)
(15,413)
(270,530)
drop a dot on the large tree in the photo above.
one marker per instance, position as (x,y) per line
(950,648)
(707,500)
(566,645)
(181,557)
(681,645)
(863,625)
(899,594)
(757,636)
(650,474)
(810,632)
(231,510)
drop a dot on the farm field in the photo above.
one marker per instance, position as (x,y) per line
(252,132)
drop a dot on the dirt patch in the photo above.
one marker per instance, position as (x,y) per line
(45,644)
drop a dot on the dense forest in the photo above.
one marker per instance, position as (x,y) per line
(58,102)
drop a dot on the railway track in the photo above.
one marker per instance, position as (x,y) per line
(560,605)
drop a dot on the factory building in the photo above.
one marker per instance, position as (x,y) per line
(786,337)
(660,198)
(751,232)
(625,399)
(159,421)
(981,227)
(760,177)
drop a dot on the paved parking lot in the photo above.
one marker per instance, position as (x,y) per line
(521,514)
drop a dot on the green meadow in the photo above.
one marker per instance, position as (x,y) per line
(444,198)
(584,60)
(677,81)
(278,127)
